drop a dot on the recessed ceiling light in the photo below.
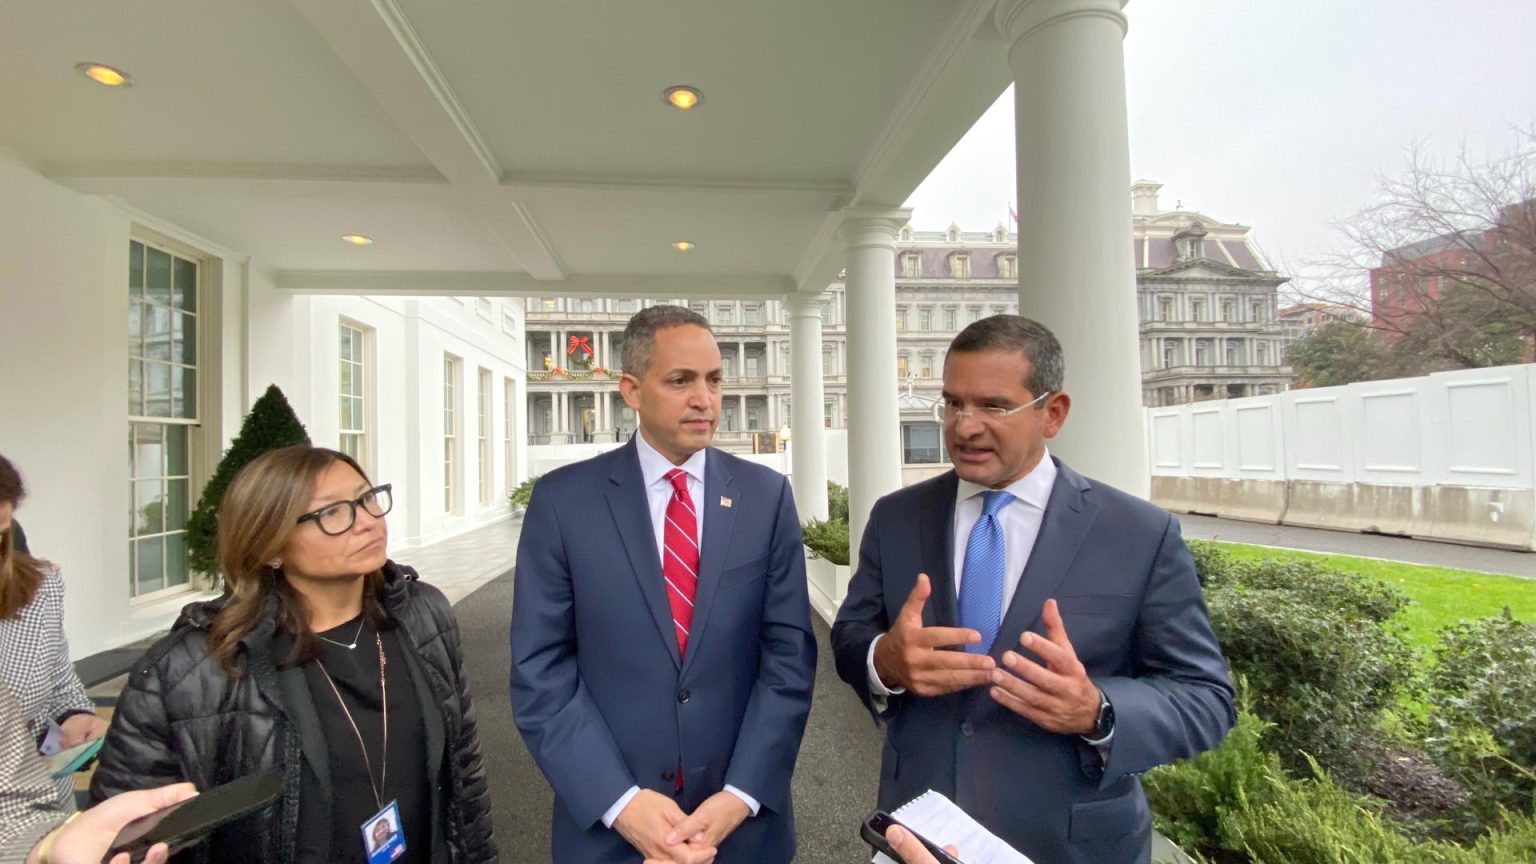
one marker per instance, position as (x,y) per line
(682,96)
(357,239)
(103,74)
(683,245)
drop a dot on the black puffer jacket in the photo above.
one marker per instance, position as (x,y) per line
(182,718)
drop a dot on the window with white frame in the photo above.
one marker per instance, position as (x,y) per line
(828,360)
(951,318)
(925,369)
(925,317)
(352,393)
(1234,352)
(1170,355)
(450,433)
(826,413)
(1165,308)
(1258,310)
(972,314)
(751,313)
(901,318)
(1007,266)
(960,265)
(508,322)
(508,433)
(911,265)
(484,438)
(1228,309)
(484,308)
(901,365)
(1197,308)
(163,414)
(725,313)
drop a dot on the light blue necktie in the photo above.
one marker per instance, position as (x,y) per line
(981,580)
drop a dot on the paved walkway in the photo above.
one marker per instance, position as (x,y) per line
(1365,545)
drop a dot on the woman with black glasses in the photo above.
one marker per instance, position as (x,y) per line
(324,659)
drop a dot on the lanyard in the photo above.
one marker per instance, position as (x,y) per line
(378,800)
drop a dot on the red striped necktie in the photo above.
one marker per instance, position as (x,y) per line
(680,556)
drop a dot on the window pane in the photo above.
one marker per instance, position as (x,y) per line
(345,374)
(149,507)
(184,291)
(147,450)
(135,387)
(135,268)
(176,505)
(151,570)
(135,328)
(186,336)
(176,566)
(176,450)
(157,333)
(184,392)
(157,275)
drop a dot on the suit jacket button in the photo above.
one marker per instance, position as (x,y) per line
(683,696)
(967,729)
(668,776)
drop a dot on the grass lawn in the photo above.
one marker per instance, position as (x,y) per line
(1441,595)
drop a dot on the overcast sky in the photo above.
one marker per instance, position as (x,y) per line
(1279,115)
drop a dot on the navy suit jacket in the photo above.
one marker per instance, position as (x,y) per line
(1126,588)
(598,690)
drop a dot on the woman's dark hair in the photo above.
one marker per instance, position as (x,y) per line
(20,573)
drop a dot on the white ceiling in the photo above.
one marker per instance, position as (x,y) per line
(491,145)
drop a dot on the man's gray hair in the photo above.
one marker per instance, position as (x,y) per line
(1017,333)
(640,334)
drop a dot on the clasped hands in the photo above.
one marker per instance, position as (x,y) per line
(1054,694)
(660,830)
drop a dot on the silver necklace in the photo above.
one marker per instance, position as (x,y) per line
(354,636)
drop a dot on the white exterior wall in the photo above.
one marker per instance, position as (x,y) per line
(63,310)
(1447,456)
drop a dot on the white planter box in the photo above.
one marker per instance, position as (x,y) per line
(828,584)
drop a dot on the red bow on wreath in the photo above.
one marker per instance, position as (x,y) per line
(579,342)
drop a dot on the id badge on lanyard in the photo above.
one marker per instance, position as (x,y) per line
(383,835)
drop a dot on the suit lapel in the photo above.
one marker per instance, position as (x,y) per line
(1069,513)
(632,516)
(719,524)
(935,530)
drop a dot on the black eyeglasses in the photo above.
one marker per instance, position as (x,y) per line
(336,519)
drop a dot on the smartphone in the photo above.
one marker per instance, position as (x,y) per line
(72,759)
(874,829)
(183,824)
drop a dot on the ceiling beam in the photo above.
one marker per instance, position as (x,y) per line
(374,40)
(512,284)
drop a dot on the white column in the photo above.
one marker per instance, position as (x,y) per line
(1076,268)
(808,438)
(873,420)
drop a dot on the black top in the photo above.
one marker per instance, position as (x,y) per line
(356,676)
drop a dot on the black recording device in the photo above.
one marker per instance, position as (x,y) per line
(874,829)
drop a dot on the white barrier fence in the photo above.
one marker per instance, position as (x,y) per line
(1446,457)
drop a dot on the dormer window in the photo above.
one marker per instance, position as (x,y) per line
(999,234)
(911,265)
(953,234)
(1194,247)
(960,265)
(1007,266)
(906,232)
(1190,243)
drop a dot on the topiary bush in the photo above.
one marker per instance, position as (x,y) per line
(524,491)
(271,425)
(827,539)
(837,502)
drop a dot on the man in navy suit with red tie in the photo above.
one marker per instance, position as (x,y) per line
(662,652)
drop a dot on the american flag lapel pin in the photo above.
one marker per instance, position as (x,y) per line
(725,502)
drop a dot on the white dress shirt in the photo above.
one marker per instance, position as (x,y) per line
(658,493)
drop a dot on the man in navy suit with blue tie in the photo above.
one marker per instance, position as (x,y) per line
(1032,640)
(662,652)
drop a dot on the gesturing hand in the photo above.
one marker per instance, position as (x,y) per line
(908,654)
(646,821)
(1056,696)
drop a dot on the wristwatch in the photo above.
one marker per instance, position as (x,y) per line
(1105,724)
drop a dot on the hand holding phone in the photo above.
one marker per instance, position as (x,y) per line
(185,823)
(878,825)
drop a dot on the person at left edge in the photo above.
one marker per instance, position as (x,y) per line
(668,724)
(284,671)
